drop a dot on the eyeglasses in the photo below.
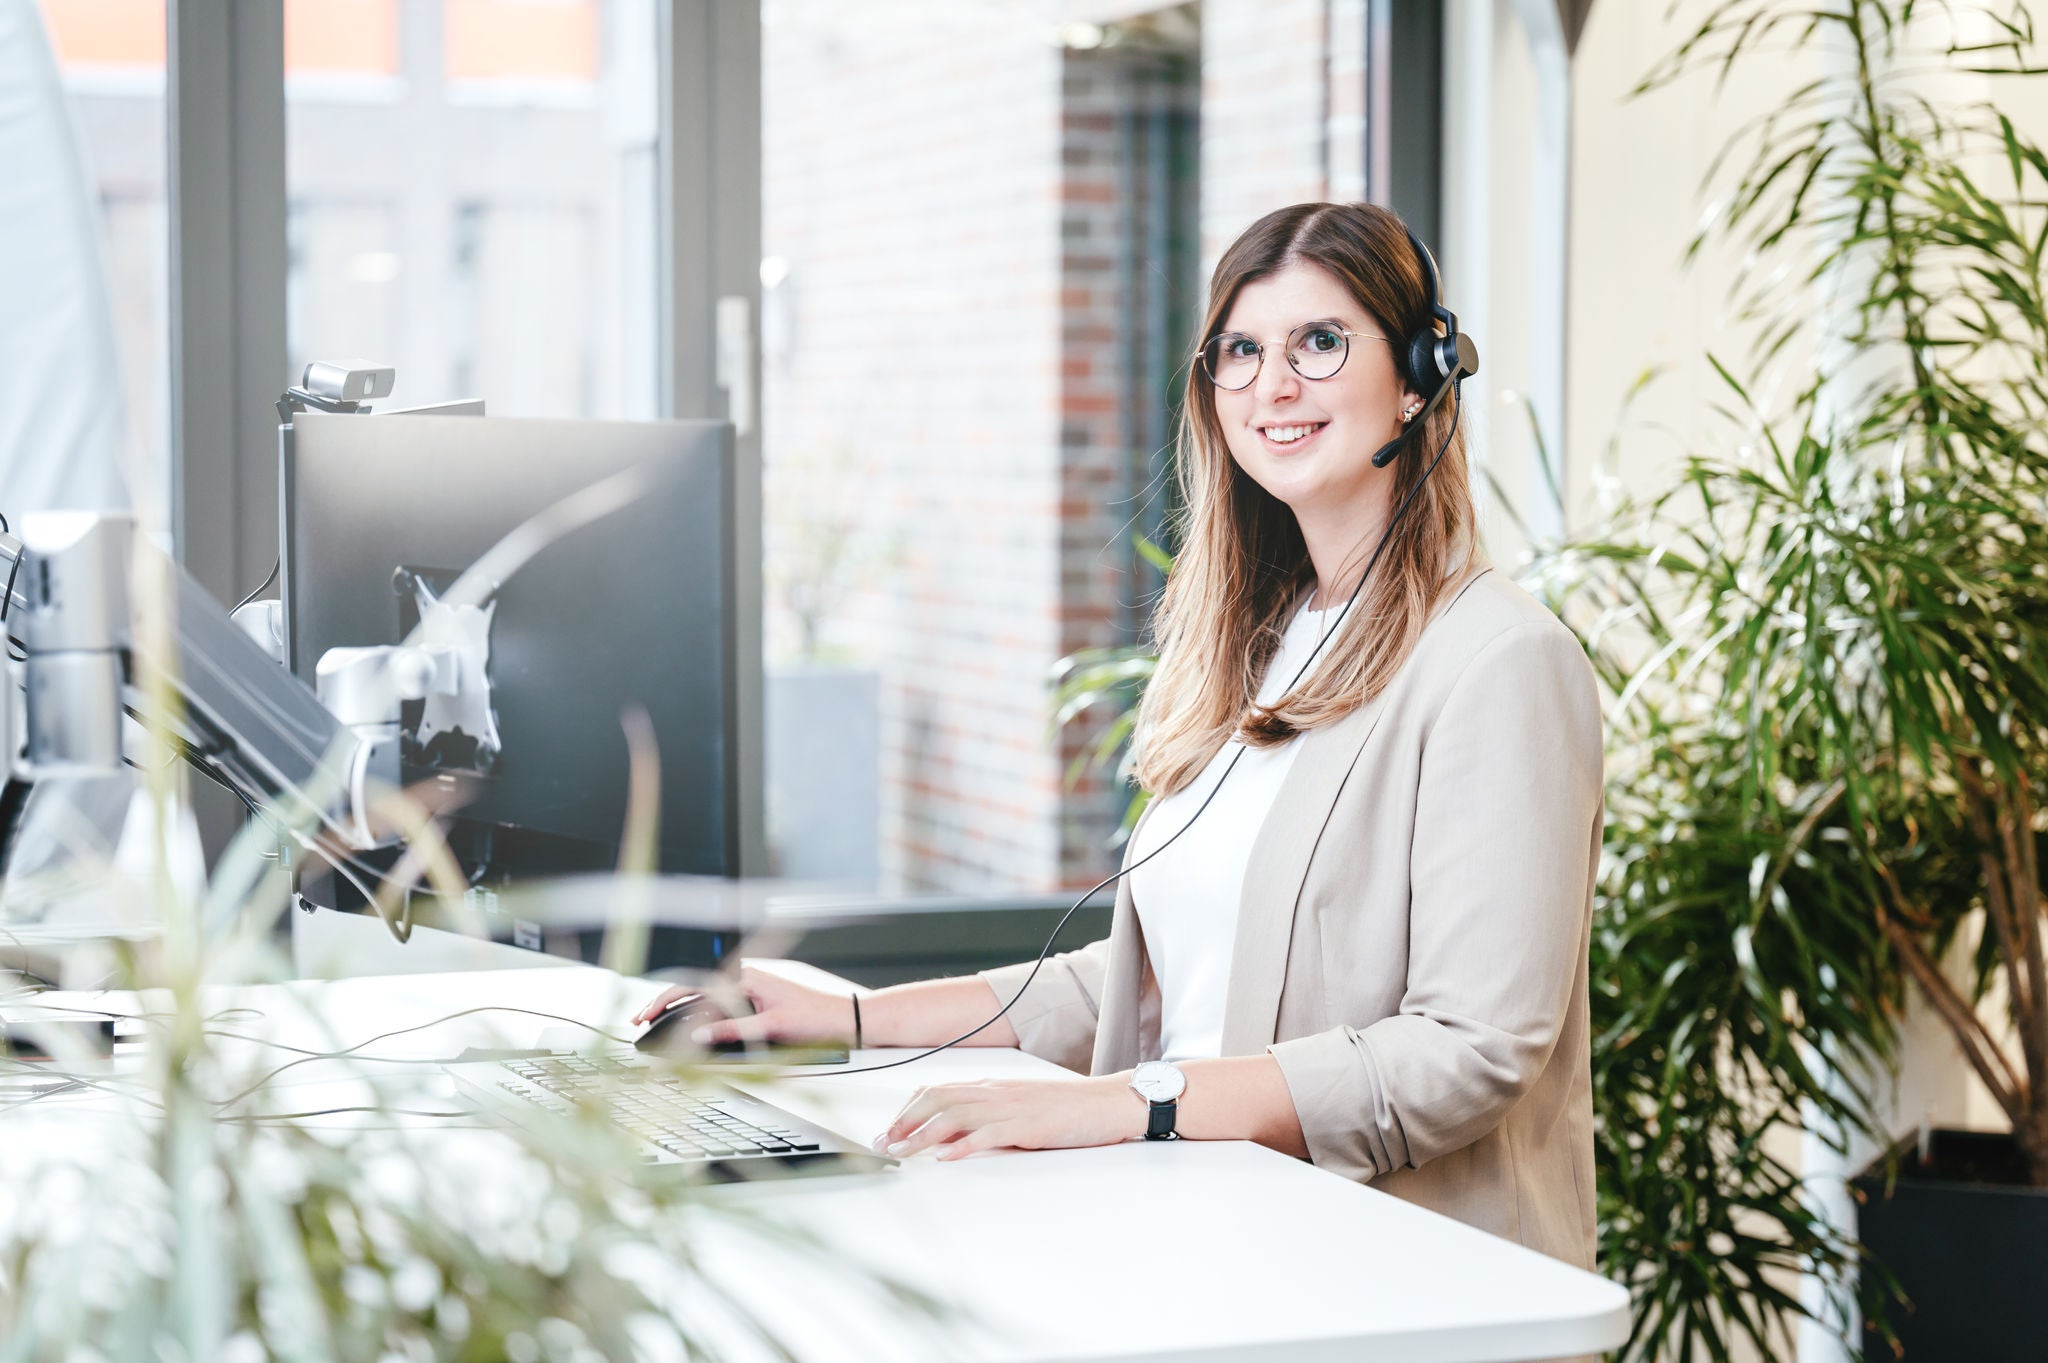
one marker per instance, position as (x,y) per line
(1315,350)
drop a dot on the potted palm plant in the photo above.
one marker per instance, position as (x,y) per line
(1828,651)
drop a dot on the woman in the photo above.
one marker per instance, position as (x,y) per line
(1372,953)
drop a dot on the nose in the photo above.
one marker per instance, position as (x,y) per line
(1277,381)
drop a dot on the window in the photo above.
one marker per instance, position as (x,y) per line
(471,199)
(979,242)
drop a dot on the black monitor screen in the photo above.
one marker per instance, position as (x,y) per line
(633,609)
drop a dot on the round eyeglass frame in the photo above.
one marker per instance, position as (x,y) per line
(1202,355)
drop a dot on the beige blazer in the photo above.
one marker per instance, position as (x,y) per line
(1412,942)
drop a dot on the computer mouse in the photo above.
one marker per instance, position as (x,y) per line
(671,1031)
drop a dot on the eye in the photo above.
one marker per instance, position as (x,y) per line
(1321,340)
(1240,347)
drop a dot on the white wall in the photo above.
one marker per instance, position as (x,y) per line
(1638,164)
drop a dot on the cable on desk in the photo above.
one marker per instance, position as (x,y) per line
(311,1055)
(65,1085)
(257,1117)
(71,1081)
(347,1051)
(146,1016)
(306,1056)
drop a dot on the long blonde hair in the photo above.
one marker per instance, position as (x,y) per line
(1242,563)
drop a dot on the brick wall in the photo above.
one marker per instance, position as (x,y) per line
(1282,100)
(1129,299)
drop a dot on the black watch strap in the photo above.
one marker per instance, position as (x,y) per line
(1160,1125)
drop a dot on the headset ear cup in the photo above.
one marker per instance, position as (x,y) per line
(1423,374)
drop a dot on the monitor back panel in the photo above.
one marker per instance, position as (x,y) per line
(633,609)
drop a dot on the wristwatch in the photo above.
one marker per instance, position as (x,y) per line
(1161,1084)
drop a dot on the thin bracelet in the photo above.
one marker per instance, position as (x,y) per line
(856,1020)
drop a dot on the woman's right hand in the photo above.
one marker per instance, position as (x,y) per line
(783,1011)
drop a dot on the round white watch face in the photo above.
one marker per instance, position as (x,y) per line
(1158,1081)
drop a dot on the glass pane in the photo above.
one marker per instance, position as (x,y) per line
(342,280)
(515,333)
(979,238)
(85,154)
(519,42)
(472,198)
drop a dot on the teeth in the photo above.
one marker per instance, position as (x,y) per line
(1287,435)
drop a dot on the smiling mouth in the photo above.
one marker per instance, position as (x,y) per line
(1293,433)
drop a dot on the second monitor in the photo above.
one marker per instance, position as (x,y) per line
(641,607)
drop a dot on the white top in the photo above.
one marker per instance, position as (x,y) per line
(1187,900)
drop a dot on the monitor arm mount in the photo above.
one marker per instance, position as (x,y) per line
(87,656)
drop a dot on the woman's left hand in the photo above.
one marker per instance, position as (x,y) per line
(1026,1114)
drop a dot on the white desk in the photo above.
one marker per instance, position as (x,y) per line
(1188,1251)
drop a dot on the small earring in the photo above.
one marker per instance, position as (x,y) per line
(1409,413)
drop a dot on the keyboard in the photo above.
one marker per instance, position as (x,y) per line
(696,1123)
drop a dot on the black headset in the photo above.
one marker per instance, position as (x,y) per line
(1438,363)
(1430,363)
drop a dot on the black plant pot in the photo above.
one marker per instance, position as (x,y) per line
(1968,1242)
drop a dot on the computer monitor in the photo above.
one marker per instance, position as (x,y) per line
(641,607)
